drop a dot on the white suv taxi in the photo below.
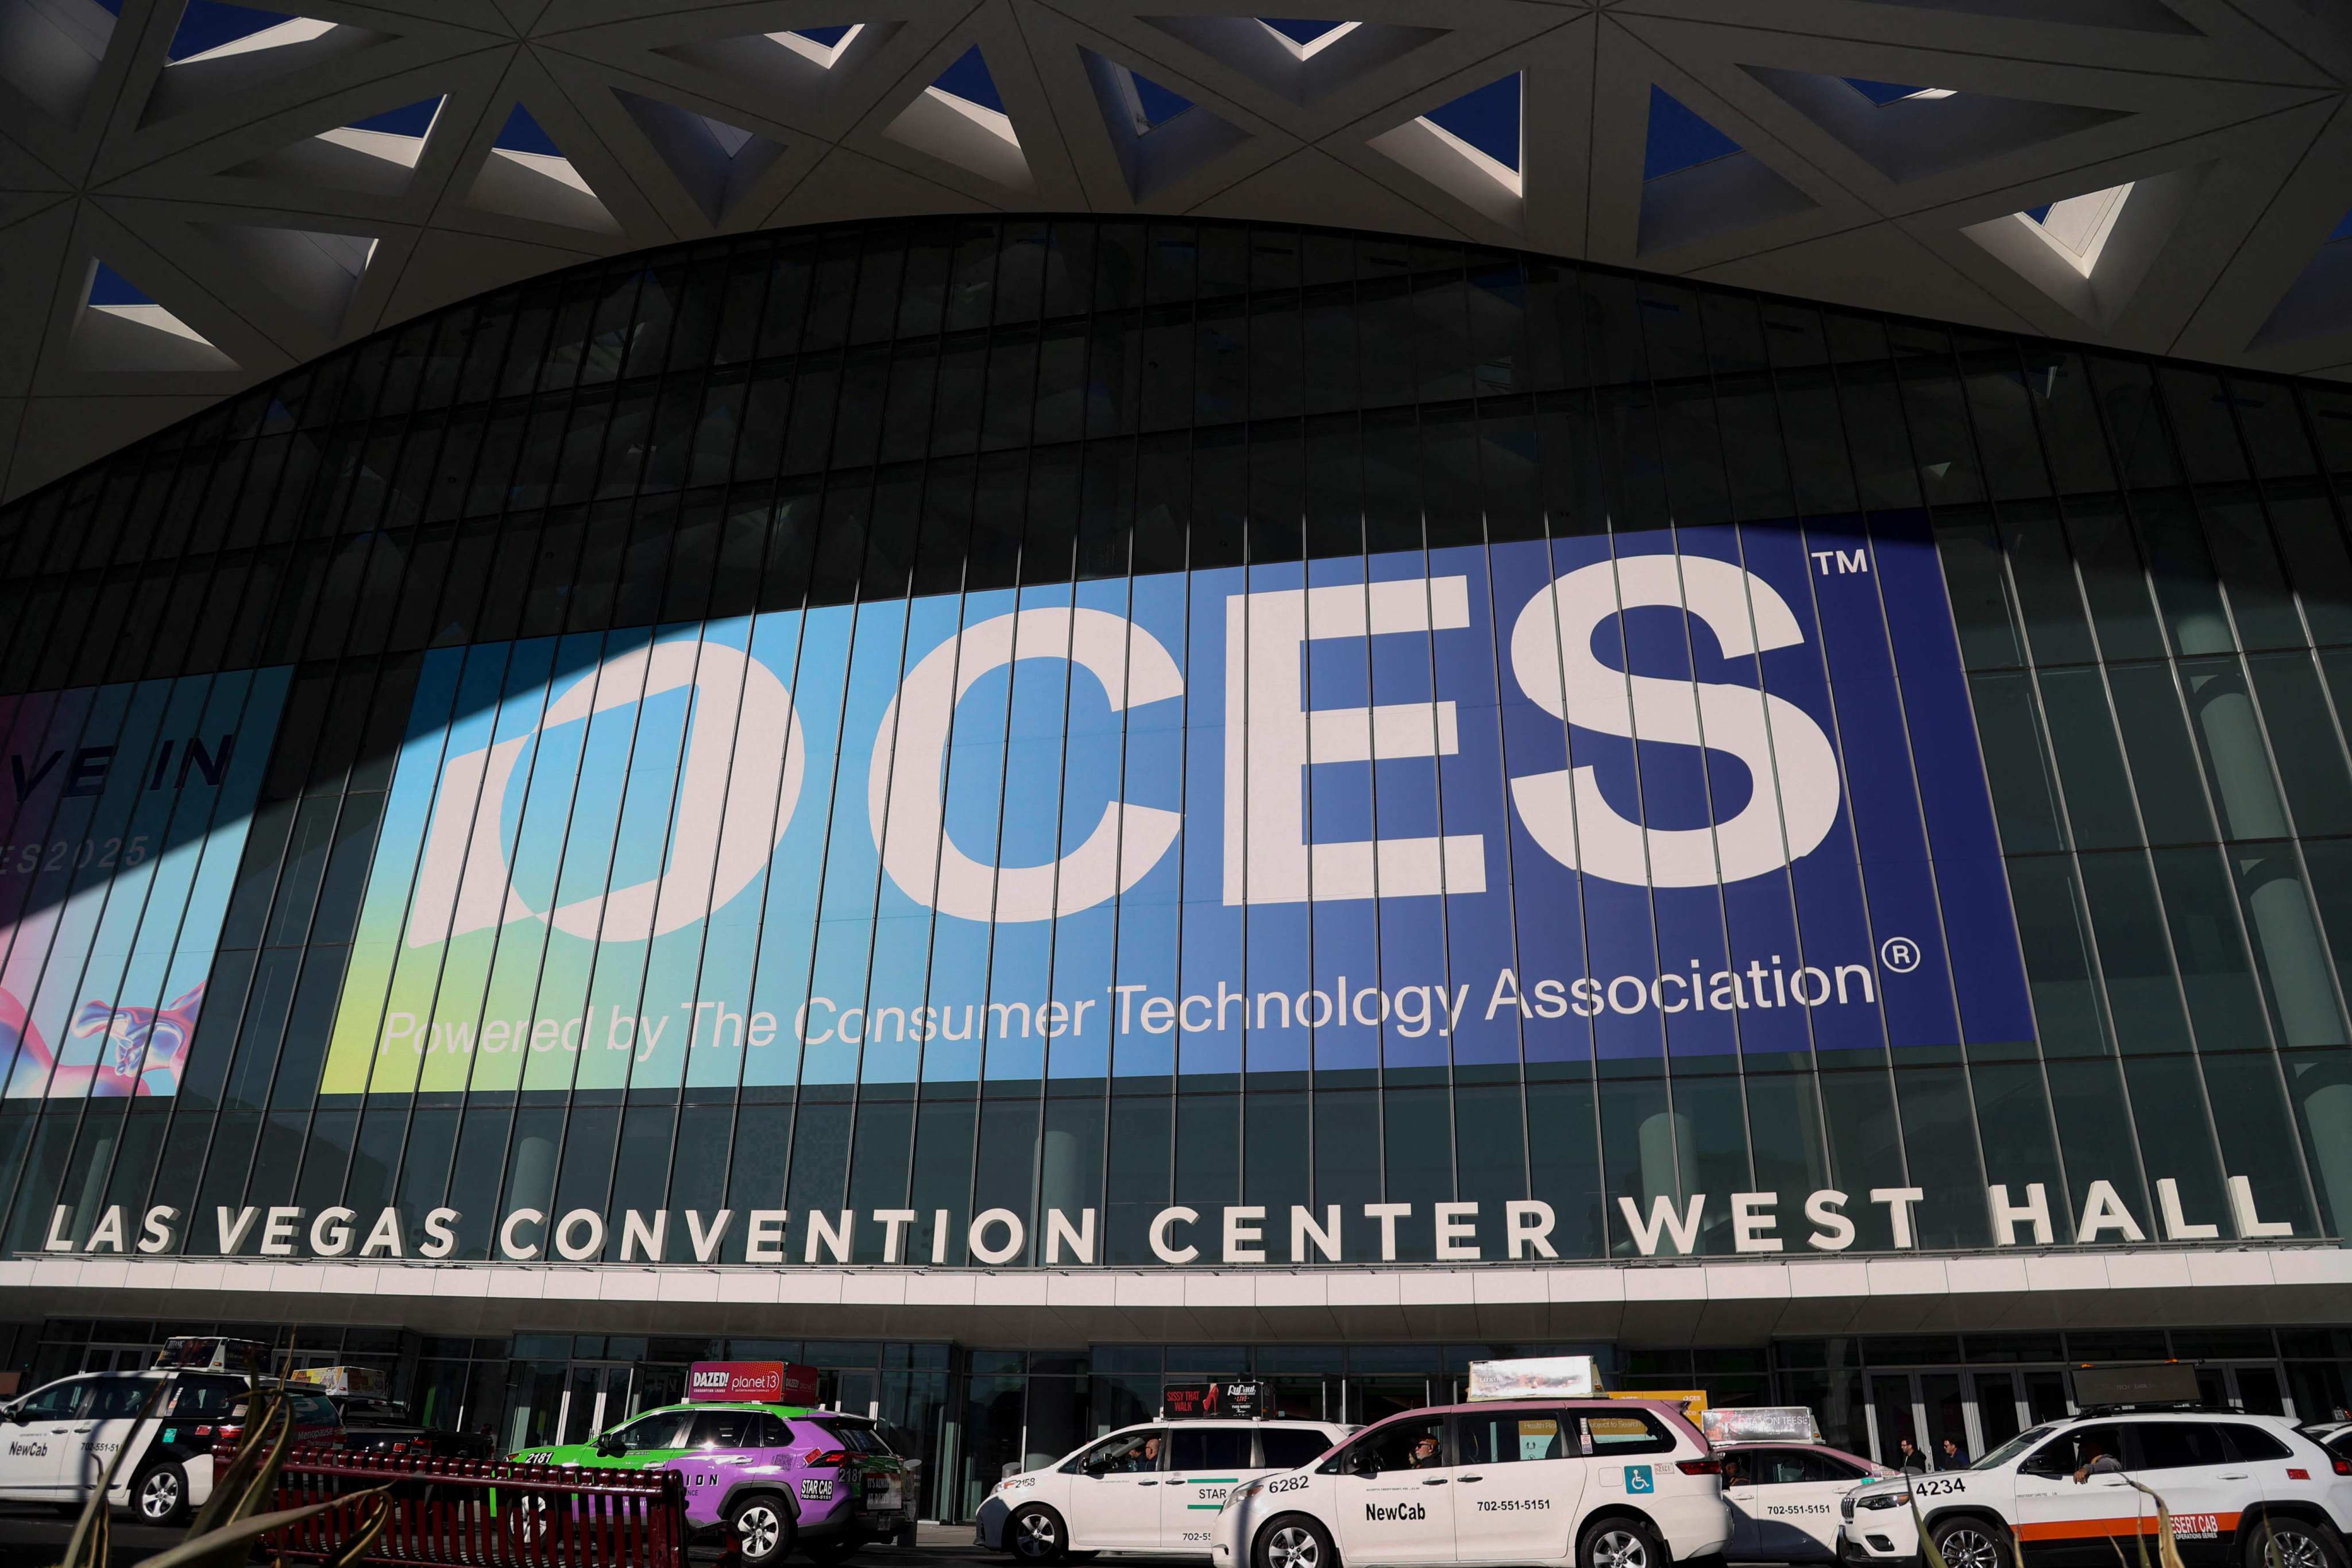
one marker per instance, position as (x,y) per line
(2246,1491)
(1597,1483)
(1150,1487)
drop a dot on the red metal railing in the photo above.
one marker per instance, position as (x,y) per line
(487,1513)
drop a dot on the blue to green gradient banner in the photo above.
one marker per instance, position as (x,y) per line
(1671,794)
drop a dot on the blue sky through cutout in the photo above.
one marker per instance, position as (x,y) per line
(1487,118)
(523,135)
(209,23)
(1679,139)
(2042,213)
(1299,30)
(414,120)
(2343,229)
(1159,104)
(825,37)
(108,287)
(968,79)
(1881,93)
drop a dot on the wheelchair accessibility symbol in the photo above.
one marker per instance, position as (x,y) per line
(1637,1478)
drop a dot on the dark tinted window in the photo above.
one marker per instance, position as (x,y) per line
(2248,1443)
(1287,1447)
(1507,1437)
(1395,1445)
(114,1397)
(1210,1447)
(2071,1451)
(198,1398)
(726,1429)
(58,1402)
(662,1429)
(2176,1445)
(1633,1432)
(775,1431)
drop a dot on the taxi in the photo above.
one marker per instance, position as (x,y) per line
(1783,1483)
(1153,1487)
(2244,1492)
(1598,1483)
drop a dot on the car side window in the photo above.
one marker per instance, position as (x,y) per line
(1509,1436)
(1413,1444)
(1633,1432)
(206,1398)
(2096,1449)
(118,1398)
(58,1402)
(1125,1454)
(662,1429)
(775,1431)
(1209,1448)
(1822,1468)
(725,1429)
(1287,1447)
(1782,1467)
(2176,1445)
(2248,1444)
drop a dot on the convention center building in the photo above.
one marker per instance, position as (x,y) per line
(1031,702)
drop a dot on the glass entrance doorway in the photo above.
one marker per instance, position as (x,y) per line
(2254,1387)
(1980,1411)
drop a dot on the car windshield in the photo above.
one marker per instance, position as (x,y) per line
(2012,1449)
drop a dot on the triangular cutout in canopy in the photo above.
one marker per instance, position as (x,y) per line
(1160,136)
(2319,303)
(716,163)
(119,327)
(1304,59)
(1469,147)
(959,119)
(1914,135)
(1697,183)
(527,177)
(376,155)
(221,51)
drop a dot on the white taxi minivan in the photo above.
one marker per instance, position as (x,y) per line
(1621,1483)
(1156,1487)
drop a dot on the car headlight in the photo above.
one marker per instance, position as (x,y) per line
(1238,1493)
(1886,1499)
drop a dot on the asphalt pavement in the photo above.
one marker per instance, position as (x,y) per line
(34,1536)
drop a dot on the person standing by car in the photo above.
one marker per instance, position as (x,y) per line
(1910,1460)
(1953,1457)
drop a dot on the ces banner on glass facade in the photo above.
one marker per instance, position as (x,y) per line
(123,817)
(1681,792)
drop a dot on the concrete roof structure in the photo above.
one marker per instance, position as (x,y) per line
(178,222)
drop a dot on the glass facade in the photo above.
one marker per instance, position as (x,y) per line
(469,772)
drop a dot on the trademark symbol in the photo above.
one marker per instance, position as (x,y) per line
(1899,953)
(1839,562)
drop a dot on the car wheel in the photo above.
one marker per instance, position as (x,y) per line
(1973,1544)
(760,1529)
(1294,1542)
(1035,1535)
(2290,1543)
(161,1494)
(1621,1544)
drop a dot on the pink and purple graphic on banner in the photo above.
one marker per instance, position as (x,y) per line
(123,813)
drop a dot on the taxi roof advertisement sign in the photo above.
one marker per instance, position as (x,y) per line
(762,1381)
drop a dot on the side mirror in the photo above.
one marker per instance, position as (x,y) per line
(612,1445)
(1362,1464)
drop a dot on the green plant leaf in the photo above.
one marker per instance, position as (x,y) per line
(1928,1554)
(250,1477)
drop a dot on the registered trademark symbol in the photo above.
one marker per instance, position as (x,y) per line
(1899,953)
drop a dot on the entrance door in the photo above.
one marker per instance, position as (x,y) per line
(1997,1405)
(1894,1417)
(2254,1387)
(596,1396)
